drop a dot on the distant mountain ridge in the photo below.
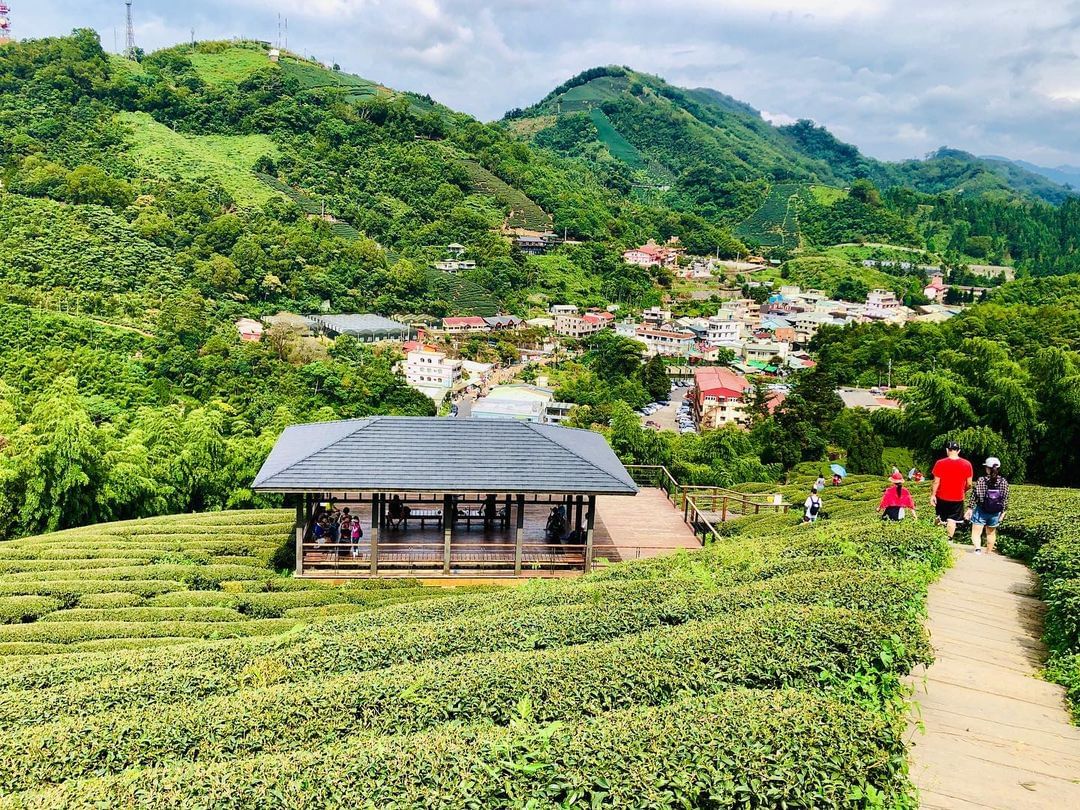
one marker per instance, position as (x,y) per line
(1063,174)
(702,137)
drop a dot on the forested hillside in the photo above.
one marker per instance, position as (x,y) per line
(148,205)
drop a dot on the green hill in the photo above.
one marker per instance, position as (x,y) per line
(678,129)
(174,647)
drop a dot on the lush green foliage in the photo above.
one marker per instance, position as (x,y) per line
(794,661)
(1042,529)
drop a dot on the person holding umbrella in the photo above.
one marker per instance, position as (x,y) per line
(838,474)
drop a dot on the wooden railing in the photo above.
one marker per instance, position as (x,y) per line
(698,502)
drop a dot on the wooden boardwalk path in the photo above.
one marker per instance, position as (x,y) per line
(646,525)
(996,736)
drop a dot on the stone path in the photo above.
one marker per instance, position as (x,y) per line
(995,735)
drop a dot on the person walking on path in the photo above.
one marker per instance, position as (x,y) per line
(812,507)
(896,499)
(819,485)
(989,500)
(952,480)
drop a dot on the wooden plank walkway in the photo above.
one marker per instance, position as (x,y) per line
(996,736)
(646,525)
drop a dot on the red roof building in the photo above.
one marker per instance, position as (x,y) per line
(718,397)
(465,324)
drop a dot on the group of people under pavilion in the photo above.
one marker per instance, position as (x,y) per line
(410,488)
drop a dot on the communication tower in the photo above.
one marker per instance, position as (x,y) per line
(5,22)
(129,47)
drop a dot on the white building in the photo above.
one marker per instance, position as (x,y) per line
(582,326)
(563,309)
(762,351)
(665,342)
(807,324)
(881,304)
(432,372)
(656,316)
(724,329)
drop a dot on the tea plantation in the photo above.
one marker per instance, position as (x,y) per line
(164,663)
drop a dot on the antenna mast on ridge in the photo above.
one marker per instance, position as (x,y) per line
(129,47)
(5,22)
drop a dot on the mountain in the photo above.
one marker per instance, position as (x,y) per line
(696,140)
(1064,175)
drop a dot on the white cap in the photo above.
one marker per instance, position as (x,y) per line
(992,462)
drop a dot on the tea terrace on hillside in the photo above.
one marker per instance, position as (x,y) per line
(447,497)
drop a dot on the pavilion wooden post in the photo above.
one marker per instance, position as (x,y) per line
(376,507)
(577,515)
(590,524)
(448,530)
(519,535)
(302,502)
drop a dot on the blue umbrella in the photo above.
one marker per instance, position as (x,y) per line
(836,468)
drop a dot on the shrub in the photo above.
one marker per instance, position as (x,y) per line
(17,609)
(738,748)
(774,647)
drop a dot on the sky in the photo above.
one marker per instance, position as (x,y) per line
(898,78)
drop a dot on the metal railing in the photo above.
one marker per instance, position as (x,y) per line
(701,504)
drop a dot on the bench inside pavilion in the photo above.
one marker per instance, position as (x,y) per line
(445,497)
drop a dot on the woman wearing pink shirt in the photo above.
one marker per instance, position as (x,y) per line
(896,499)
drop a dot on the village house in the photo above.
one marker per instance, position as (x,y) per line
(579,326)
(882,304)
(249,330)
(534,245)
(717,397)
(651,255)
(665,342)
(455,265)
(763,351)
(725,329)
(432,372)
(472,323)
(806,324)
(503,323)
(563,309)
(935,290)
(656,316)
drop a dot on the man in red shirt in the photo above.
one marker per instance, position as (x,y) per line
(952,480)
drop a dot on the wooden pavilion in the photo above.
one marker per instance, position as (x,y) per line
(444,497)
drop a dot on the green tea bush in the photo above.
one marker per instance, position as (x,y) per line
(769,648)
(18,609)
(145,614)
(737,748)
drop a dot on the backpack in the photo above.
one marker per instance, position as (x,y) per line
(815,507)
(993,503)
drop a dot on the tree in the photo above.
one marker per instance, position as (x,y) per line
(655,379)
(853,431)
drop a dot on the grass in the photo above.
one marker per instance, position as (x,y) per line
(827,195)
(231,65)
(226,159)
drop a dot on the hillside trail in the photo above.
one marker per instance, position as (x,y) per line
(994,734)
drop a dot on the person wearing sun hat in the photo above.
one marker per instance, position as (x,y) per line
(896,499)
(989,500)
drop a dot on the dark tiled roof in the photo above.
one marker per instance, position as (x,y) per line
(390,453)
